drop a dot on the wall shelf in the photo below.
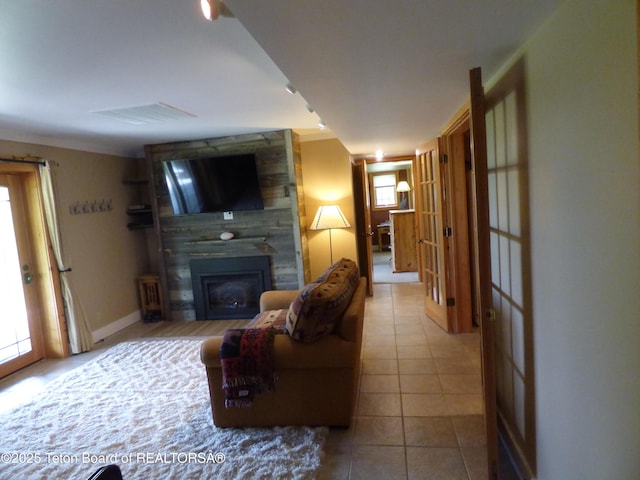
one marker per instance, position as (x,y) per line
(218,241)
(140,215)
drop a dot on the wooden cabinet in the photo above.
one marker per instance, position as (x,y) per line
(403,241)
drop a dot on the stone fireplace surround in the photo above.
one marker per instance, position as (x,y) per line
(278,231)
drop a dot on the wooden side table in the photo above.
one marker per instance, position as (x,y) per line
(150,298)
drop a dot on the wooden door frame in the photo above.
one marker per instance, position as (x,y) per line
(362,205)
(363,220)
(459,251)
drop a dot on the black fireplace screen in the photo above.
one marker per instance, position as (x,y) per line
(229,288)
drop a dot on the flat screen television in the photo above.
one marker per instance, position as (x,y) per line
(213,184)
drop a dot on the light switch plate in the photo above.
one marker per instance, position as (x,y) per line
(228,215)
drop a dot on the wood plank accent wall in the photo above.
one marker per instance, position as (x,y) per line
(278,231)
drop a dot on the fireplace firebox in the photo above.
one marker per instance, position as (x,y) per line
(229,288)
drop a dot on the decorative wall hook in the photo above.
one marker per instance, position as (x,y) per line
(91,206)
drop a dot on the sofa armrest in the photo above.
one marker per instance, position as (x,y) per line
(328,352)
(277,299)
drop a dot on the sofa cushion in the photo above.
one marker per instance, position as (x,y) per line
(316,310)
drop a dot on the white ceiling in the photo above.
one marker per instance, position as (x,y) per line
(382,75)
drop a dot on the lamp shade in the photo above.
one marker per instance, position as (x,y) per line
(327,217)
(403,186)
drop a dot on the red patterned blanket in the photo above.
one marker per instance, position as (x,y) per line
(246,355)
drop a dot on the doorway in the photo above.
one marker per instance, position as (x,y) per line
(390,183)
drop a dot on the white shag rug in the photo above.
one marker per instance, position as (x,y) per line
(144,405)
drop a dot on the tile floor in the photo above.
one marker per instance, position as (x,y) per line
(419,412)
(420,407)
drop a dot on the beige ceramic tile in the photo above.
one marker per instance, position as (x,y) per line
(379,351)
(429,432)
(409,329)
(378,462)
(409,319)
(414,351)
(439,350)
(335,466)
(475,459)
(379,404)
(461,366)
(379,383)
(379,366)
(470,430)
(410,340)
(420,384)
(416,366)
(461,383)
(427,463)
(464,404)
(378,431)
(379,340)
(380,329)
(424,405)
(340,440)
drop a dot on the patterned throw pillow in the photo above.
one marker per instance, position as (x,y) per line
(270,318)
(318,307)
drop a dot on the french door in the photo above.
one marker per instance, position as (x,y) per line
(431,233)
(20,338)
(482,280)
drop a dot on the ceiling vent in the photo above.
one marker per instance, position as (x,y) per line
(146,114)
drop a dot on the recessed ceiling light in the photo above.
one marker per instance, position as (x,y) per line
(209,9)
(379,154)
(322,125)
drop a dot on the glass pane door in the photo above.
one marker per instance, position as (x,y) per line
(16,333)
(430,227)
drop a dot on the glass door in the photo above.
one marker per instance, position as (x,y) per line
(430,232)
(20,342)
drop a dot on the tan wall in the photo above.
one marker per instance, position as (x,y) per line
(326,176)
(105,256)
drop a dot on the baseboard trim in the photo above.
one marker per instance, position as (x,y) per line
(114,327)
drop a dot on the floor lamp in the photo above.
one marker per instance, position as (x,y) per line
(403,187)
(329,217)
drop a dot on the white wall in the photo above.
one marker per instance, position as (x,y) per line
(585,230)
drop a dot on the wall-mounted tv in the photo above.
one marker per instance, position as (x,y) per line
(213,184)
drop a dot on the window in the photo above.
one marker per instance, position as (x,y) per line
(384,190)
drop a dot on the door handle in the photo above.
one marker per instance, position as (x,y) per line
(26,276)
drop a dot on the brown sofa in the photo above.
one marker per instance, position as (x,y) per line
(317,381)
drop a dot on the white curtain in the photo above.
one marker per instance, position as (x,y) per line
(80,337)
